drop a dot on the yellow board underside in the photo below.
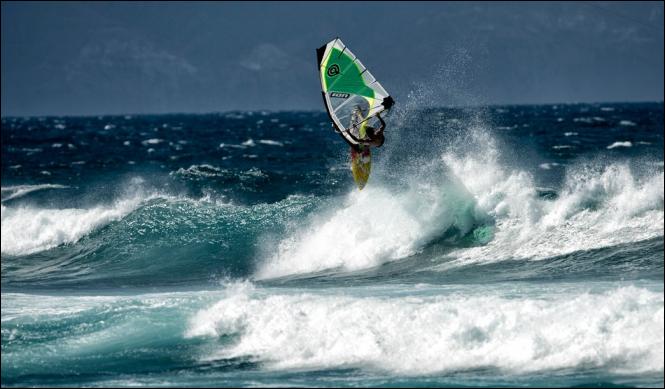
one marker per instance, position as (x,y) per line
(361,164)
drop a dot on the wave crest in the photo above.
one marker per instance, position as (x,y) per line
(27,230)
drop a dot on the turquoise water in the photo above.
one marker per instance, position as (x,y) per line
(507,246)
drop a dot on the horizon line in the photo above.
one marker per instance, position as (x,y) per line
(321,110)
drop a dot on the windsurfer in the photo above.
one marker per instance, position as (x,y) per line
(373,136)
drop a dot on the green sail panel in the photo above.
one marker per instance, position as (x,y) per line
(344,75)
(349,87)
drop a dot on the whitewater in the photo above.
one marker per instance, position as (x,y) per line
(515,245)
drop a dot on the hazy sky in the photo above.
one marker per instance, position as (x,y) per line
(100,58)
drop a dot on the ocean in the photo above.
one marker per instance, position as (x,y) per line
(493,246)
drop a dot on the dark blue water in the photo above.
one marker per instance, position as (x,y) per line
(513,245)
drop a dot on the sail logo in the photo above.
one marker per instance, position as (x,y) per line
(333,70)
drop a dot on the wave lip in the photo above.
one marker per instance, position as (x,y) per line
(27,230)
(420,335)
(16,191)
(620,144)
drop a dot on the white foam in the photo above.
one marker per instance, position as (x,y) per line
(548,165)
(619,144)
(372,227)
(627,123)
(597,207)
(255,172)
(583,120)
(223,145)
(27,230)
(249,143)
(233,115)
(152,141)
(620,330)
(271,142)
(203,170)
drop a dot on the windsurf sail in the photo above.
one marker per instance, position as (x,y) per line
(348,89)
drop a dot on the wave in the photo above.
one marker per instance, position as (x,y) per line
(415,330)
(16,191)
(27,230)
(467,192)
(598,206)
(463,199)
(421,334)
(419,229)
(376,226)
(153,239)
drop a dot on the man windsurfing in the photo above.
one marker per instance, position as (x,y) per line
(354,100)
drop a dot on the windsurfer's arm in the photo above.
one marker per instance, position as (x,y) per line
(378,138)
(383,124)
(377,132)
